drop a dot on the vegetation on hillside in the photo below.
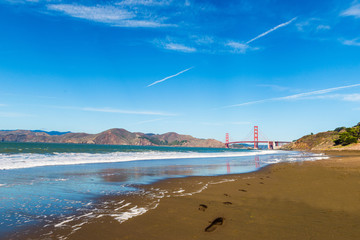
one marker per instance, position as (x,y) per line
(339,139)
(348,135)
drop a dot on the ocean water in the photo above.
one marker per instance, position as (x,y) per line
(59,185)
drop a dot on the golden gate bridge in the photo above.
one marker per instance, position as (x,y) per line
(256,141)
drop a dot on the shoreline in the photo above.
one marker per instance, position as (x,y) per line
(300,200)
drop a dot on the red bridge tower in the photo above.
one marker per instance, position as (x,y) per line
(256,137)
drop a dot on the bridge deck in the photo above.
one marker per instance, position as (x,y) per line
(258,142)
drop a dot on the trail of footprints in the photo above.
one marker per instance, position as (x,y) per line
(220,220)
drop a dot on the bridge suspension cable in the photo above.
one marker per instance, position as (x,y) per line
(271,144)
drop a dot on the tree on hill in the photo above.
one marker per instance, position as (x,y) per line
(350,135)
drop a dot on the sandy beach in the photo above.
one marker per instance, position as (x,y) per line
(308,200)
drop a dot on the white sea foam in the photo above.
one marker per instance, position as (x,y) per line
(182,193)
(296,158)
(133,212)
(28,160)
(69,219)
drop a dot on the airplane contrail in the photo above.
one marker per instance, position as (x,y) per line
(296,96)
(164,79)
(271,30)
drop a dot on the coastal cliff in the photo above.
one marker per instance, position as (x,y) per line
(115,136)
(340,139)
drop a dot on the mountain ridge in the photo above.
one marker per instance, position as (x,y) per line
(114,136)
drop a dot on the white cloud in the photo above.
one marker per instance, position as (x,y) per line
(353,42)
(353,11)
(145,2)
(238,47)
(204,44)
(178,47)
(312,25)
(322,27)
(271,30)
(352,97)
(115,16)
(164,79)
(106,14)
(203,40)
(298,96)
(355,97)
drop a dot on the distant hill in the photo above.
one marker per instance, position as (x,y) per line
(52,133)
(115,136)
(40,131)
(341,138)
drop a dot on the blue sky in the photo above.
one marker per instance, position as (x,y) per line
(195,67)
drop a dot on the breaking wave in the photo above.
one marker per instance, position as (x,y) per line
(29,160)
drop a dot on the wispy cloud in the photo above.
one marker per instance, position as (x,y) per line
(353,42)
(203,44)
(112,15)
(179,47)
(314,25)
(355,97)
(353,11)
(271,30)
(352,97)
(296,96)
(323,27)
(173,44)
(145,2)
(164,79)
(237,46)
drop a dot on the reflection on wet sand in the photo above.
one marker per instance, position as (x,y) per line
(257,162)
(123,174)
(136,173)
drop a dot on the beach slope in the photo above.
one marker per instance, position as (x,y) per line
(310,200)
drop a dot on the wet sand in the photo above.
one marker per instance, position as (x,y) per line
(310,200)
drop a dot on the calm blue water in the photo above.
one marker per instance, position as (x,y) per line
(41,182)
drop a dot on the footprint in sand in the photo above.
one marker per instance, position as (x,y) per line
(227,203)
(217,222)
(261,183)
(226,195)
(202,207)
(242,190)
(248,184)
